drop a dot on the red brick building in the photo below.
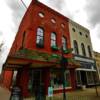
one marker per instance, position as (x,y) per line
(35,55)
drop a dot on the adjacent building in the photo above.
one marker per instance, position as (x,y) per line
(97,59)
(83,53)
(41,43)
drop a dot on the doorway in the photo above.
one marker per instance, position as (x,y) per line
(83,77)
(36,84)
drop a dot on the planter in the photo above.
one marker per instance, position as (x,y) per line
(54,48)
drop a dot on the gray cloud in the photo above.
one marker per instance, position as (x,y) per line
(17,11)
(57,4)
(93,12)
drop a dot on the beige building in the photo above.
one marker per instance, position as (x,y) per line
(83,53)
(97,58)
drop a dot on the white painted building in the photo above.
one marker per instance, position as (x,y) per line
(83,53)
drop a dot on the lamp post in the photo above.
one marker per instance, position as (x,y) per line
(63,64)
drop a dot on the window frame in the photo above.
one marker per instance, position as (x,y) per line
(40,37)
(64,43)
(83,49)
(76,50)
(53,39)
(89,51)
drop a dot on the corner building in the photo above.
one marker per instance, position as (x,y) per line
(83,53)
(36,52)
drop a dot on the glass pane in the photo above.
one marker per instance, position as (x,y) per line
(53,36)
(57,80)
(39,40)
(40,31)
(53,43)
(68,81)
(64,43)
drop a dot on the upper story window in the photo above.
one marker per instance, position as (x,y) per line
(41,14)
(89,51)
(86,36)
(62,25)
(80,33)
(53,20)
(64,43)
(40,37)
(83,49)
(73,29)
(53,39)
(75,47)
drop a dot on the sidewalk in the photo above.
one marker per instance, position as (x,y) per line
(4,94)
(88,94)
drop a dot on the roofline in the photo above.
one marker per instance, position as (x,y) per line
(51,10)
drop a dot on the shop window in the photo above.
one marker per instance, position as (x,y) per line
(90,77)
(40,37)
(78,78)
(64,43)
(57,79)
(75,47)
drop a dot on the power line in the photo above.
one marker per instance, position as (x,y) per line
(24,4)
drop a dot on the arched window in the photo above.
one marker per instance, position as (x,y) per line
(75,47)
(83,49)
(64,43)
(53,39)
(89,51)
(40,37)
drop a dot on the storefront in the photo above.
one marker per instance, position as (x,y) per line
(85,77)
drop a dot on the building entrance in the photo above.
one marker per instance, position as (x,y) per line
(36,84)
(83,77)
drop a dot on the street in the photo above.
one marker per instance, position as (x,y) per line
(87,94)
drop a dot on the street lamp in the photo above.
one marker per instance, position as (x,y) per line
(63,64)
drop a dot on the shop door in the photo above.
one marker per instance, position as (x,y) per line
(37,85)
(83,77)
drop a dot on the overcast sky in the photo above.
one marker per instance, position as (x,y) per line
(84,12)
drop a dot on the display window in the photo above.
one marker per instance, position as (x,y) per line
(57,79)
